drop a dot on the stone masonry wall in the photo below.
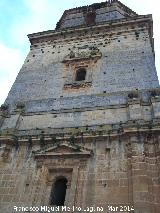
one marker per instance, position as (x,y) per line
(102,134)
(121,171)
(127,63)
(108,115)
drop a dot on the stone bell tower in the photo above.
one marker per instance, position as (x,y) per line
(81,124)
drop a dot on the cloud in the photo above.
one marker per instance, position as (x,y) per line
(40,17)
(10,63)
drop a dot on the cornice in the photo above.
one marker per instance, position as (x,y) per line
(98,131)
(53,34)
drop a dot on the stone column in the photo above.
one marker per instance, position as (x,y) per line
(156,106)
(71,200)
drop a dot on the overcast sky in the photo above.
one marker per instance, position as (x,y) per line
(21,17)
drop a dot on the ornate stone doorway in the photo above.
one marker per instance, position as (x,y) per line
(64,165)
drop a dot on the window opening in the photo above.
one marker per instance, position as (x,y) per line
(81,74)
(90,18)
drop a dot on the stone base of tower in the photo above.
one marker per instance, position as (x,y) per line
(114,168)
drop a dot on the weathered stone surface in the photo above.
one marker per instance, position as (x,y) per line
(102,134)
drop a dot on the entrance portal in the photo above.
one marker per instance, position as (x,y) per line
(58,192)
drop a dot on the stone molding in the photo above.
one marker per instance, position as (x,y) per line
(63,149)
(49,35)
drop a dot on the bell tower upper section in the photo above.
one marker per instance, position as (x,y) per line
(101,49)
(94,14)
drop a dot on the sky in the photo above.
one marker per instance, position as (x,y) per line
(21,17)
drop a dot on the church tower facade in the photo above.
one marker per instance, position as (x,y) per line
(81,124)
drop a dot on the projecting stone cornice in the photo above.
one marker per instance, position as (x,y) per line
(52,35)
(93,131)
(113,100)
